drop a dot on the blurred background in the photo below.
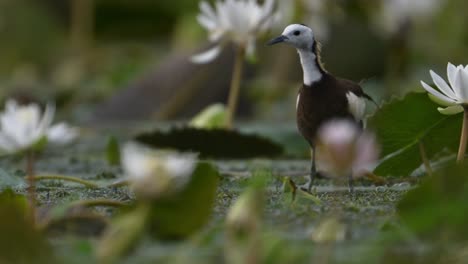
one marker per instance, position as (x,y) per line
(115,60)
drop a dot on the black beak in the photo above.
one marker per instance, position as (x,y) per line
(277,40)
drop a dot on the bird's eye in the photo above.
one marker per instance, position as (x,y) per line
(297,33)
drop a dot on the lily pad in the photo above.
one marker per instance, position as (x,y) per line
(213,143)
(403,124)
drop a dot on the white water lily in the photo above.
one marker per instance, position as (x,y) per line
(153,174)
(454,94)
(344,149)
(239,21)
(22,127)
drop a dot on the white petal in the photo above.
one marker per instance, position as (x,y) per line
(8,145)
(459,85)
(180,168)
(47,118)
(206,22)
(464,85)
(11,106)
(207,10)
(20,124)
(437,94)
(451,72)
(436,100)
(61,134)
(9,126)
(450,110)
(442,85)
(207,56)
(137,161)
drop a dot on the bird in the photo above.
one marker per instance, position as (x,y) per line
(322,96)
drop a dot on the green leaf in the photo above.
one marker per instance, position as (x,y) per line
(123,234)
(182,215)
(437,208)
(113,151)
(402,124)
(213,143)
(213,116)
(20,241)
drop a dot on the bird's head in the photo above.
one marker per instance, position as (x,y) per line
(296,35)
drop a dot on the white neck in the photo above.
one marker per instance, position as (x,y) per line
(309,67)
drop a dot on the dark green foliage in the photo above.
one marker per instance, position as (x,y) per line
(180,216)
(20,242)
(436,210)
(212,143)
(141,19)
(402,124)
(123,235)
(174,217)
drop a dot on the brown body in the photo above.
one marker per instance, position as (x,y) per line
(324,100)
(322,97)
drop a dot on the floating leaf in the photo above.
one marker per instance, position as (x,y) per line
(182,215)
(213,143)
(403,124)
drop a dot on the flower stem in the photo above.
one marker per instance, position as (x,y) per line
(119,183)
(67,178)
(464,136)
(235,86)
(30,159)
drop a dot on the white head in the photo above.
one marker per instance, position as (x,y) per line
(297,35)
(302,38)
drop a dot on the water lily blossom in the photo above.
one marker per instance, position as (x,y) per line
(239,21)
(454,96)
(24,126)
(344,150)
(154,174)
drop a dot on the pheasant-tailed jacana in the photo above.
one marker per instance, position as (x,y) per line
(322,97)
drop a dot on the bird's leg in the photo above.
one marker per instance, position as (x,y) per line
(351,183)
(313,171)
